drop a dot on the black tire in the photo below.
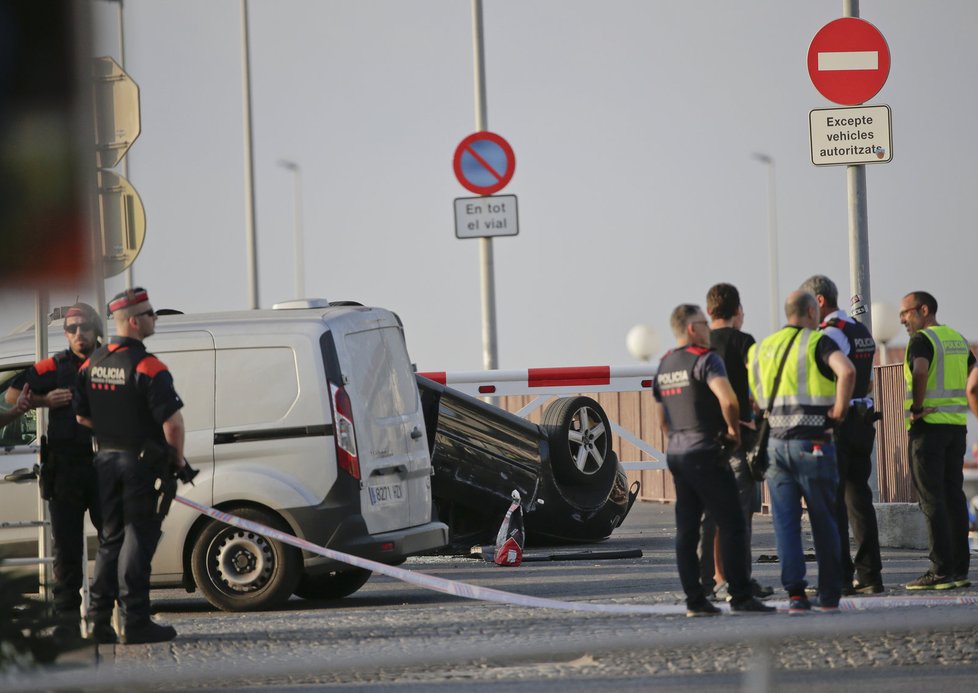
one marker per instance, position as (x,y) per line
(239,570)
(580,439)
(332,585)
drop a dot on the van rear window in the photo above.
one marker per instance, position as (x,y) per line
(382,373)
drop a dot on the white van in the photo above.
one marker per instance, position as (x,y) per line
(305,418)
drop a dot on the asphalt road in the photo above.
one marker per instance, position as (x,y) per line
(394,635)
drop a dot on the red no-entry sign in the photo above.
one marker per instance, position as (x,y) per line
(484,163)
(848,61)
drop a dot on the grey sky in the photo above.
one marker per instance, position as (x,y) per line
(633,124)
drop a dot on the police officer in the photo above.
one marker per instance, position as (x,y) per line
(854,444)
(126,396)
(67,475)
(813,393)
(698,410)
(937,373)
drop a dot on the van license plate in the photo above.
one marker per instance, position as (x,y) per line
(386,494)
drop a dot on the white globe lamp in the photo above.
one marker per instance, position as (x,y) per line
(642,342)
(886,325)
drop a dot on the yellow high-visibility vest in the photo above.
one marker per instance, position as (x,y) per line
(804,396)
(947,378)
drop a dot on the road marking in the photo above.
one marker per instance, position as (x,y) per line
(848,60)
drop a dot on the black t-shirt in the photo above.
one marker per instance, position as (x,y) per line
(731,345)
(823,350)
(921,347)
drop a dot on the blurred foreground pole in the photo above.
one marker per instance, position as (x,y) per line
(45,573)
(861,299)
(490,359)
(251,245)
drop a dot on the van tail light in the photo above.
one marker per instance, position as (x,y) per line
(345,434)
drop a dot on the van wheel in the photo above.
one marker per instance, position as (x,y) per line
(332,585)
(580,439)
(239,570)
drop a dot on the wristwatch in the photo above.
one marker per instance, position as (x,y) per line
(916,410)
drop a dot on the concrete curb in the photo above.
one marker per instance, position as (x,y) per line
(901,526)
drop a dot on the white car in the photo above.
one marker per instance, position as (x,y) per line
(305,418)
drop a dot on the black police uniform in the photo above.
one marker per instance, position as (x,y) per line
(701,471)
(68,480)
(854,449)
(127,393)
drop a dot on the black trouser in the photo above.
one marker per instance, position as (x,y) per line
(854,502)
(705,482)
(130,532)
(74,492)
(936,462)
(749,496)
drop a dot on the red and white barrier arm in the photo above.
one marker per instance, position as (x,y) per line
(545,383)
(548,381)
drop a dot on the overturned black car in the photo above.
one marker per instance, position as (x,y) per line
(572,487)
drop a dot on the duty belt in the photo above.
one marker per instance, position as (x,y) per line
(110,445)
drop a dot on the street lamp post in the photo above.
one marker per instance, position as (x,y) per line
(772,238)
(300,275)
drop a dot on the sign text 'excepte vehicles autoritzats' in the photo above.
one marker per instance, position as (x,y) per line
(477,217)
(484,163)
(843,136)
(848,61)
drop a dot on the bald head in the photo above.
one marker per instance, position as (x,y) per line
(801,309)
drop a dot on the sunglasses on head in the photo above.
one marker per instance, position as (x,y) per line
(83,326)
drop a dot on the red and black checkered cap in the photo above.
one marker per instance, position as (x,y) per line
(129,302)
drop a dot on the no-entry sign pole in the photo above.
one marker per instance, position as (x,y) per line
(490,359)
(859,285)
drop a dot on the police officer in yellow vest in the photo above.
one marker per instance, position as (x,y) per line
(812,397)
(936,372)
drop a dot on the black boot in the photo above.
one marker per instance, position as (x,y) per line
(149,632)
(103,633)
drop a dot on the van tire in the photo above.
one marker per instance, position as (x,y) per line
(578,455)
(332,585)
(267,571)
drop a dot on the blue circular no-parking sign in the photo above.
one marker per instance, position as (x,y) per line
(484,163)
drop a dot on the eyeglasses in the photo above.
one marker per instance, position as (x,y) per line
(83,326)
(148,313)
(908,311)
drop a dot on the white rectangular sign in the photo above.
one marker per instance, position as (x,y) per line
(491,215)
(857,135)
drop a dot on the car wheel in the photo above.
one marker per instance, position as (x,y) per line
(580,439)
(240,570)
(335,585)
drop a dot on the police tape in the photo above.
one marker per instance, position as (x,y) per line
(489,594)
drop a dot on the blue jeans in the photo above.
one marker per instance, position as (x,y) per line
(797,473)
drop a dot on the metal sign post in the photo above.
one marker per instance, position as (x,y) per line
(490,358)
(849,61)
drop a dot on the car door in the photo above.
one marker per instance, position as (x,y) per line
(394,463)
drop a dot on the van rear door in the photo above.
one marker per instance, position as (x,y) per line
(395,468)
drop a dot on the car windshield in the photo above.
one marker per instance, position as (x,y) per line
(383,373)
(23,429)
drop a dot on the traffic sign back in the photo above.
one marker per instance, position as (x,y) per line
(848,61)
(122,220)
(116,112)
